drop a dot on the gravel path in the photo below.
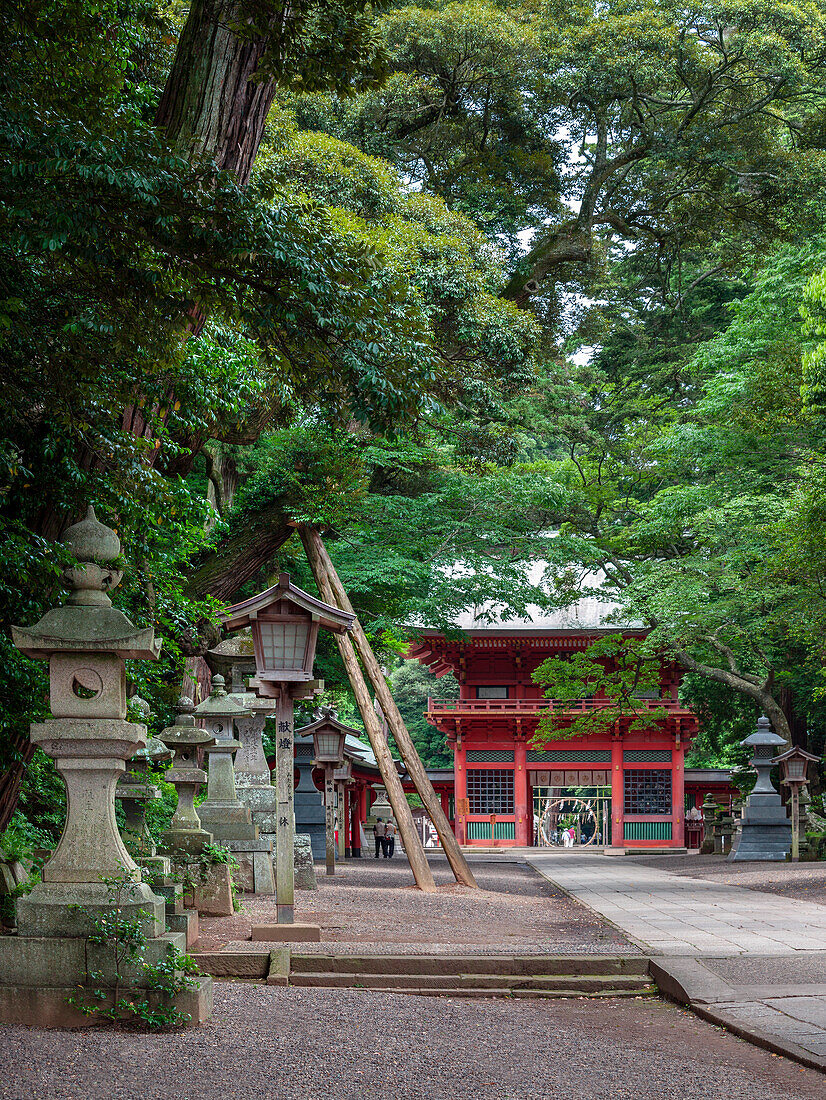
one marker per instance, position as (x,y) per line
(804,881)
(372,905)
(313,1044)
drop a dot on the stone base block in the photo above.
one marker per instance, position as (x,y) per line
(764,843)
(279,971)
(47,1006)
(233,833)
(212,896)
(154,868)
(258,799)
(286,933)
(186,922)
(255,873)
(173,895)
(62,909)
(56,960)
(188,842)
(305,878)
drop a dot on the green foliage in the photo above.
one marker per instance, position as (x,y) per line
(622,670)
(107,994)
(41,809)
(412,683)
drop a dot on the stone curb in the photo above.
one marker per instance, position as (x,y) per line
(685,980)
(759,1038)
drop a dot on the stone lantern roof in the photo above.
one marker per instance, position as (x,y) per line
(87,622)
(219,704)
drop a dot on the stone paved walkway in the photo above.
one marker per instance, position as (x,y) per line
(751,961)
(680,915)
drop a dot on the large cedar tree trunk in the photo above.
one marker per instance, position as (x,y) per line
(211,107)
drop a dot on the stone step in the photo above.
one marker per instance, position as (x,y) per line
(233,964)
(510,965)
(522,994)
(573,984)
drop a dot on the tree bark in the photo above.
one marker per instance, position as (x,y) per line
(404,817)
(12,777)
(212,107)
(568,244)
(241,556)
(404,741)
(758,692)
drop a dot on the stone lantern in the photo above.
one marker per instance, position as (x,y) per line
(233,658)
(284,622)
(135,789)
(86,642)
(223,813)
(766,832)
(184,739)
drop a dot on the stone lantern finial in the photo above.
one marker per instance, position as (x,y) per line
(94,545)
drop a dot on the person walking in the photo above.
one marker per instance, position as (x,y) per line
(380,836)
(389,839)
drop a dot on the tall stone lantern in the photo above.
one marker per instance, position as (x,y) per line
(284,623)
(86,643)
(223,813)
(767,832)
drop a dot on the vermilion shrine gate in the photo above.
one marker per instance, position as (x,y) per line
(619,789)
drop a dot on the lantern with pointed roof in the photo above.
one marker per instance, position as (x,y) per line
(285,621)
(795,763)
(766,831)
(223,813)
(86,642)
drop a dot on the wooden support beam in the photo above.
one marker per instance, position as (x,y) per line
(401,809)
(404,741)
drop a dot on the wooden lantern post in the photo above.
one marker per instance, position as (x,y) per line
(328,742)
(342,777)
(794,763)
(285,621)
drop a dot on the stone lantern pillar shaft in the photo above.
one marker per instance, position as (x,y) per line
(90,846)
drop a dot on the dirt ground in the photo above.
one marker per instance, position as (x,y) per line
(804,881)
(343,1044)
(372,904)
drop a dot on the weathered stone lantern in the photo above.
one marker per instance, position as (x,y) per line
(284,623)
(223,813)
(184,739)
(135,789)
(86,643)
(226,817)
(794,763)
(767,832)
